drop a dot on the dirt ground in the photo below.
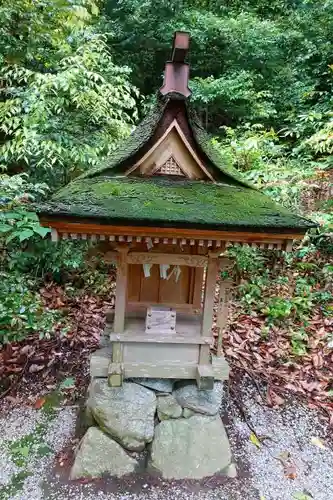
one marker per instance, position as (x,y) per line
(280,454)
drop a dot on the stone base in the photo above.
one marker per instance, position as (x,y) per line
(190,448)
(179,426)
(99,454)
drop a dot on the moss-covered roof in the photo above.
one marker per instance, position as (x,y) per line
(107,195)
(204,143)
(138,138)
(170,203)
(116,162)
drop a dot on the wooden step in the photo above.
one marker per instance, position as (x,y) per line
(100,360)
(159,339)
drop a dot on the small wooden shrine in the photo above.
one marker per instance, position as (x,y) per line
(166,207)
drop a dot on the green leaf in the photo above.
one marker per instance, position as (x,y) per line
(32,216)
(22,450)
(4,228)
(94,9)
(10,215)
(254,439)
(301,495)
(12,236)
(42,231)
(68,383)
(26,234)
(44,450)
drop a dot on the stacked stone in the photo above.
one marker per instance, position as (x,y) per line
(176,425)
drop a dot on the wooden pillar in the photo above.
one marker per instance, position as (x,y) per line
(121,290)
(205,375)
(115,372)
(222,313)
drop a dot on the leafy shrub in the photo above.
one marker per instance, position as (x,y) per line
(17,220)
(21,310)
(250,294)
(21,224)
(298,341)
(43,258)
(248,260)
(278,309)
(324,241)
(97,281)
(60,122)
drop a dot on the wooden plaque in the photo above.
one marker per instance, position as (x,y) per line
(160,320)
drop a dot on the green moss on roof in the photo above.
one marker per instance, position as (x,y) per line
(145,130)
(170,202)
(104,195)
(138,138)
(205,144)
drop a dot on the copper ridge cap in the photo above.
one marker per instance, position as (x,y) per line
(177,71)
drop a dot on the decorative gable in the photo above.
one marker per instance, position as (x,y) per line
(171,155)
(170,167)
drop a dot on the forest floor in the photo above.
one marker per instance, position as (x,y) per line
(278,421)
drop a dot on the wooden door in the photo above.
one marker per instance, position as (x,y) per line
(186,291)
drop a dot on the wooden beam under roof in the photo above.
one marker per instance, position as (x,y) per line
(166,232)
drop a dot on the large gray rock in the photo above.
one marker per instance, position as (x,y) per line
(88,417)
(167,407)
(98,454)
(191,448)
(162,385)
(125,413)
(204,402)
(188,413)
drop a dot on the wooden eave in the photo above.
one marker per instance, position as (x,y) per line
(182,236)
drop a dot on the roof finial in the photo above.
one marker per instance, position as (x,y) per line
(176,73)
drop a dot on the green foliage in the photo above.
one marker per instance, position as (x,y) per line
(278,309)
(249,60)
(59,123)
(30,446)
(286,290)
(15,485)
(248,261)
(262,83)
(64,104)
(22,311)
(17,222)
(37,33)
(45,259)
(17,189)
(21,224)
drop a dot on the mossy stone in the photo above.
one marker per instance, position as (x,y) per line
(167,407)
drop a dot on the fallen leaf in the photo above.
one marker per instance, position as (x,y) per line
(317,361)
(290,472)
(35,368)
(12,399)
(301,495)
(26,349)
(274,399)
(39,403)
(59,302)
(318,442)
(254,439)
(284,456)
